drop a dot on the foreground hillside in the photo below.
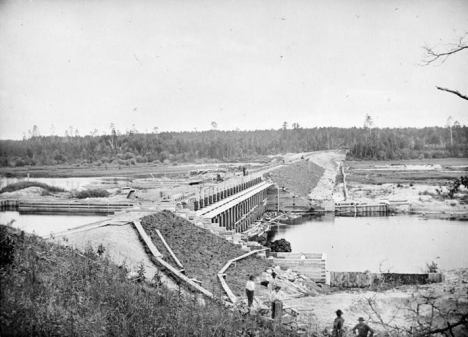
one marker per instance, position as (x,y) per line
(51,290)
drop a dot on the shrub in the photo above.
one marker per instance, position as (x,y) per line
(97,193)
(25,184)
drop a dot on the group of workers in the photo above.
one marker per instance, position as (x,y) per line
(362,328)
(276,297)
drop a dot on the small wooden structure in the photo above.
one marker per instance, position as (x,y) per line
(74,207)
(353,208)
(362,280)
(312,265)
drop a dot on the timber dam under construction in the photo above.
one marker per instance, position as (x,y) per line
(202,231)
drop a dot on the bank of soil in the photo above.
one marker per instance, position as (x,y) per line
(300,177)
(202,253)
(310,174)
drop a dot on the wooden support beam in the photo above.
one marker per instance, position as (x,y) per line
(147,239)
(169,249)
(174,271)
(222,275)
(226,288)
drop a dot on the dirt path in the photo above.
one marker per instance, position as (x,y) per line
(329,161)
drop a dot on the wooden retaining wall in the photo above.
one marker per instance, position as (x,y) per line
(314,266)
(359,209)
(8,205)
(70,207)
(288,201)
(362,280)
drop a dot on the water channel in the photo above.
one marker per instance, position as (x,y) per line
(45,225)
(401,243)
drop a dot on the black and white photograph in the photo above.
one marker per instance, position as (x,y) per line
(234,168)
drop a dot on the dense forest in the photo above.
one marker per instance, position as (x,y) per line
(214,145)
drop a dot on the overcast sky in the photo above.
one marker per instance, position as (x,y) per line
(179,65)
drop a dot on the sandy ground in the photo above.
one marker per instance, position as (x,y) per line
(390,304)
(121,243)
(330,161)
(420,197)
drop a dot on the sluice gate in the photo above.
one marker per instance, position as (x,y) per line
(360,209)
(238,210)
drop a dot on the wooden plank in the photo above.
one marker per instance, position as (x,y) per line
(247,254)
(169,249)
(226,266)
(300,263)
(147,239)
(298,255)
(226,288)
(159,259)
(184,278)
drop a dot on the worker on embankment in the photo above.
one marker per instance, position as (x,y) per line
(338,324)
(249,290)
(363,329)
(276,298)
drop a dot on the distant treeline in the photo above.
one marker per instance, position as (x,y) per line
(214,145)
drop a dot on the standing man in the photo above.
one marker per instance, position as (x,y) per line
(276,298)
(363,329)
(249,290)
(338,324)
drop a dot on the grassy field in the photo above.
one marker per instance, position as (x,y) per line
(51,290)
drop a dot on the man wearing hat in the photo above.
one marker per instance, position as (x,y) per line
(276,298)
(363,329)
(338,324)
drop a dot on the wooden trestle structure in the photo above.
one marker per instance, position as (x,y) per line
(239,210)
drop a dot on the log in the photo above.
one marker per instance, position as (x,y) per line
(169,249)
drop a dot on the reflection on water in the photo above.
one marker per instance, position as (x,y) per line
(44,225)
(69,183)
(399,243)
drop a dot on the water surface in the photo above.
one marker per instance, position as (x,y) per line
(44,225)
(398,244)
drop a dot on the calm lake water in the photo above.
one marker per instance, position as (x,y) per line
(400,243)
(44,225)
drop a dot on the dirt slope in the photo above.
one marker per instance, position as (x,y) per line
(202,254)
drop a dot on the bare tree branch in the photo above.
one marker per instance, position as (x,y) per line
(453,92)
(432,55)
(463,321)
